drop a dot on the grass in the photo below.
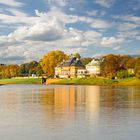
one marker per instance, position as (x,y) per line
(75,81)
(81,81)
(129,82)
(21,81)
(95,81)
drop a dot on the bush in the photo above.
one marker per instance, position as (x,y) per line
(122,74)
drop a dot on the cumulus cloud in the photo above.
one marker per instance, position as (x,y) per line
(109,41)
(105,3)
(44,32)
(126,26)
(100,24)
(129,18)
(61,3)
(12,3)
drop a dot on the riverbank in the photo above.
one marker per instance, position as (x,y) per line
(21,81)
(75,81)
(95,81)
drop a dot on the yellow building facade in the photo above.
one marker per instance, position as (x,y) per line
(69,68)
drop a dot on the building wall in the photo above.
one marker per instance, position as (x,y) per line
(93,69)
(67,71)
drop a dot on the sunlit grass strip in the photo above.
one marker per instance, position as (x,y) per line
(95,81)
(21,81)
(81,81)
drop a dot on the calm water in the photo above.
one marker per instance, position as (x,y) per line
(37,112)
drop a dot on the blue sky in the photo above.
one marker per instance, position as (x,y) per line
(29,29)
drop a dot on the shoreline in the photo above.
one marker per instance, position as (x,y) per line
(95,81)
(75,81)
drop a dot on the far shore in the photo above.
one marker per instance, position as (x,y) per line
(20,81)
(95,81)
(75,81)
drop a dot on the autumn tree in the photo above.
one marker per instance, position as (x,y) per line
(50,61)
(85,61)
(110,65)
(8,71)
(137,65)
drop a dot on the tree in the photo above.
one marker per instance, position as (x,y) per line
(110,65)
(137,65)
(138,75)
(14,69)
(122,74)
(130,63)
(85,61)
(77,55)
(27,69)
(50,61)
(24,69)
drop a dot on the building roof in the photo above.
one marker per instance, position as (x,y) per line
(94,62)
(73,61)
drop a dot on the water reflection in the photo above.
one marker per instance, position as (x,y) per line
(69,112)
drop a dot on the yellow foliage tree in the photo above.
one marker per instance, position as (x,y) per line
(50,61)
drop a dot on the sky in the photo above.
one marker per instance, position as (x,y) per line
(31,28)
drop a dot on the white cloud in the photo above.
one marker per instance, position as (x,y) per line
(60,3)
(126,26)
(45,32)
(128,34)
(17,13)
(92,13)
(72,9)
(8,19)
(109,41)
(12,3)
(105,3)
(116,48)
(129,18)
(100,24)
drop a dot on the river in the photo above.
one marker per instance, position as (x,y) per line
(40,112)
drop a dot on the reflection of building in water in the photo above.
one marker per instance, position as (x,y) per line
(70,102)
(92,101)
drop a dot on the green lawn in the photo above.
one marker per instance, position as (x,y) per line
(129,82)
(96,81)
(82,81)
(75,81)
(21,81)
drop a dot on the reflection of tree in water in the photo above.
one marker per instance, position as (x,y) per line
(119,96)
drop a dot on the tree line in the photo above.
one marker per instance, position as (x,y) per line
(112,66)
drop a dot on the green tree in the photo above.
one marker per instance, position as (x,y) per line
(122,74)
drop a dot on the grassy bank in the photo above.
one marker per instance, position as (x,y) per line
(75,81)
(129,82)
(95,81)
(81,81)
(21,81)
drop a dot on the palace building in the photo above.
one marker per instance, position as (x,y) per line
(93,67)
(70,68)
